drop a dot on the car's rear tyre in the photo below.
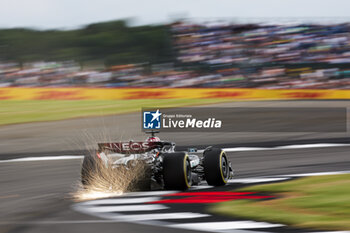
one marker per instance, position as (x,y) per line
(89,168)
(176,171)
(216,167)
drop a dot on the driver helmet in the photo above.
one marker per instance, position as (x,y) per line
(153,139)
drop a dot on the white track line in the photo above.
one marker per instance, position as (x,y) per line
(219,226)
(124,208)
(201,186)
(162,216)
(297,146)
(121,201)
(288,147)
(257,180)
(149,193)
(318,174)
(44,158)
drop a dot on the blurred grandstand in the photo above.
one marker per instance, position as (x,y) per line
(300,56)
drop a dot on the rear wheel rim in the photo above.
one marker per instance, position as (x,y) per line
(224,167)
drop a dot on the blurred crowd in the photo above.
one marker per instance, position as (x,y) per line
(225,43)
(269,56)
(216,55)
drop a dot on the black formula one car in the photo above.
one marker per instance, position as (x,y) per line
(162,166)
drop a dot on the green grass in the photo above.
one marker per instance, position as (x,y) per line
(321,202)
(13,112)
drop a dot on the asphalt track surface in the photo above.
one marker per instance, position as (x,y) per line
(35,197)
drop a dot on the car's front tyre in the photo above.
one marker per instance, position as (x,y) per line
(216,167)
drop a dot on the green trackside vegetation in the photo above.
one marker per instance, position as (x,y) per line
(13,112)
(320,202)
(108,43)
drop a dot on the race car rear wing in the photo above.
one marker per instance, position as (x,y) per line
(132,147)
